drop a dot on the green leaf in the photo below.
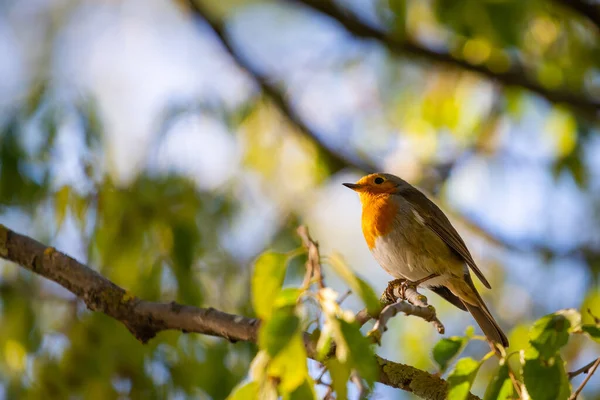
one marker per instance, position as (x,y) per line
(358,286)
(543,378)
(500,387)
(269,272)
(573,316)
(446,349)
(549,334)
(287,297)
(461,378)
(247,391)
(565,384)
(306,391)
(290,366)
(361,356)
(277,331)
(340,373)
(592,330)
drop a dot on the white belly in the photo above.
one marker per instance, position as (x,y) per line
(393,252)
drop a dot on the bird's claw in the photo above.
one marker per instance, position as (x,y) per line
(400,283)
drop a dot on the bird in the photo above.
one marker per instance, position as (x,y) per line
(413,240)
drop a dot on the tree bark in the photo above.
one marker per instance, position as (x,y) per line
(145,319)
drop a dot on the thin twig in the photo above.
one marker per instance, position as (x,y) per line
(363,392)
(362,317)
(412,303)
(313,262)
(582,370)
(427,313)
(515,381)
(587,378)
(344,296)
(417,305)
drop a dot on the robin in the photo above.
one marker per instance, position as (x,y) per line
(412,239)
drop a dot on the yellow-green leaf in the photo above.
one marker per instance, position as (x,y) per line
(269,272)
(277,331)
(360,352)
(461,378)
(446,349)
(290,366)
(549,334)
(287,297)
(244,392)
(592,330)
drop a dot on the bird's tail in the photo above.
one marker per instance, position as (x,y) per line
(487,323)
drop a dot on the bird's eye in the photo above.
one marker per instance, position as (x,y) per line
(379,180)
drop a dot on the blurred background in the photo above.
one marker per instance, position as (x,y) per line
(167,144)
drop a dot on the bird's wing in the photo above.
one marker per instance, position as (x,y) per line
(437,221)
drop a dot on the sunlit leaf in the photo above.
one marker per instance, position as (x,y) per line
(244,392)
(573,316)
(269,272)
(446,349)
(549,334)
(287,297)
(461,378)
(500,386)
(592,330)
(289,366)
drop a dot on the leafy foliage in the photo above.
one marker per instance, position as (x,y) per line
(543,373)
(164,234)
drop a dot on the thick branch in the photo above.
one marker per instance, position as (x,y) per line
(145,319)
(335,160)
(404,47)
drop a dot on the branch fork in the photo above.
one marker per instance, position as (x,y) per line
(401,297)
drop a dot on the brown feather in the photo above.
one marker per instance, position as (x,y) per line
(436,220)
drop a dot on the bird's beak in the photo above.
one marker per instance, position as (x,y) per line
(354,186)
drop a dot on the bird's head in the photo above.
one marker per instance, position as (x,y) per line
(377,184)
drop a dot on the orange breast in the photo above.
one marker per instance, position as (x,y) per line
(378,216)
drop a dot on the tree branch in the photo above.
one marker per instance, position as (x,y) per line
(406,47)
(582,370)
(590,372)
(145,319)
(335,160)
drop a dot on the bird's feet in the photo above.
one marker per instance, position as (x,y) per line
(404,284)
(391,288)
